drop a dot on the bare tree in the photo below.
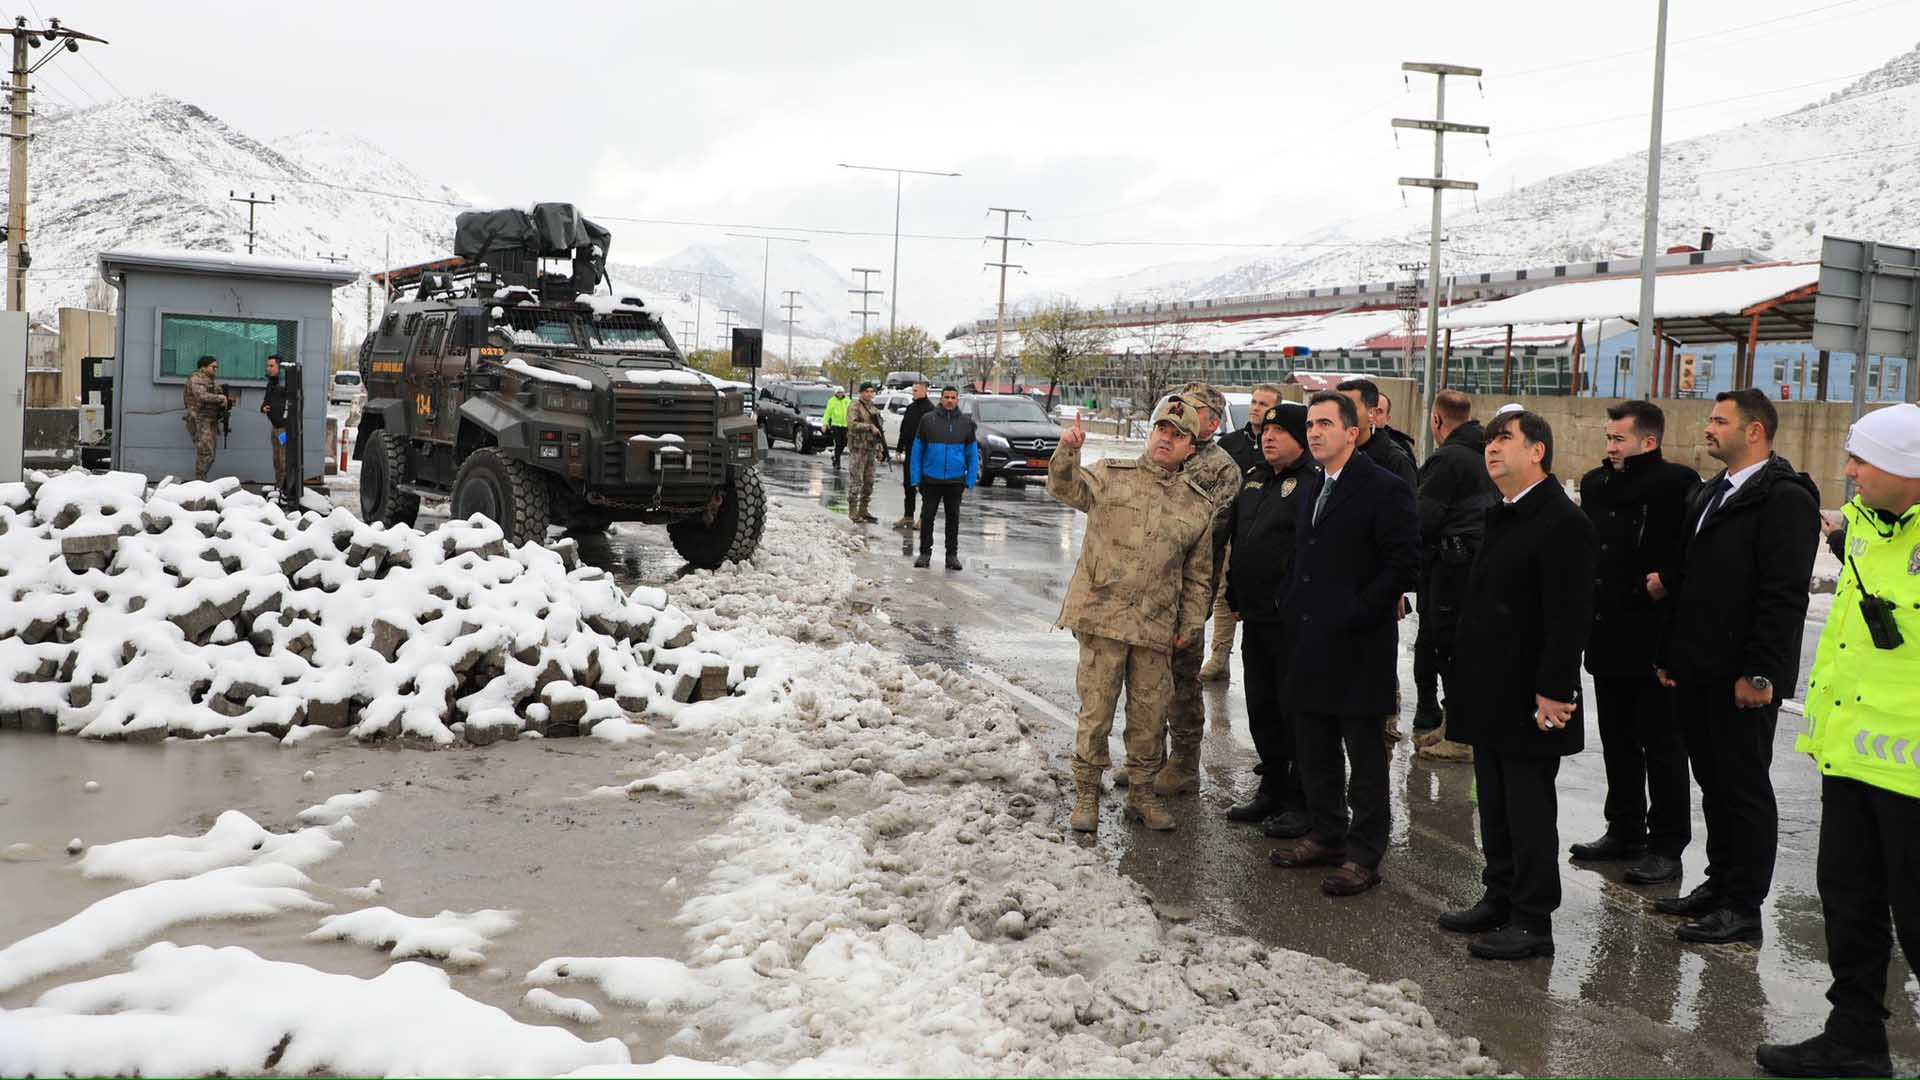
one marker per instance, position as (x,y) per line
(1062,343)
(1158,350)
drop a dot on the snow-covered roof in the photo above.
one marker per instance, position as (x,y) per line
(1676,296)
(223,263)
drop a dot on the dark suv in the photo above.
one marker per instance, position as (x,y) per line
(793,411)
(1016,438)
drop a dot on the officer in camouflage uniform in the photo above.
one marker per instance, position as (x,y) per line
(1139,591)
(867,440)
(1215,473)
(205,405)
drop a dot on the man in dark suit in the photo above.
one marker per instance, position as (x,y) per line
(1732,652)
(1356,552)
(1454,495)
(1530,602)
(1637,502)
(1376,437)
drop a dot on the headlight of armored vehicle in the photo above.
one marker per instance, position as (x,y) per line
(732,403)
(564,400)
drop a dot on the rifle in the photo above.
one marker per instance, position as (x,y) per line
(226,415)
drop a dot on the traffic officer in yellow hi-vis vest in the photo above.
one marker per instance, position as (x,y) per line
(1863,730)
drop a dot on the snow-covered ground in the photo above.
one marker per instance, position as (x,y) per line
(891,891)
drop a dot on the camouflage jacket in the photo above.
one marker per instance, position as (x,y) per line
(203,399)
(1146,564)
(1217,475)
(864,433)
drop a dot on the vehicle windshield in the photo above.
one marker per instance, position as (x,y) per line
(814,401)
(1020,411)
(618,333)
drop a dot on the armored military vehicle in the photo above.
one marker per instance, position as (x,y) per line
(534,397)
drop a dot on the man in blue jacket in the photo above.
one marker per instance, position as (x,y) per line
(945,462)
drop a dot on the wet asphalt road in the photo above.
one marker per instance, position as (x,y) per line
(1621,997)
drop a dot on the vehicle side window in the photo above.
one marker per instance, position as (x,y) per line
(435,337)
(412,324)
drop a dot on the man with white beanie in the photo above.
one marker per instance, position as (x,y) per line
(1863,730)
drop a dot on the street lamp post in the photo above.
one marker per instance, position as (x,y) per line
(766,259)
(893,304)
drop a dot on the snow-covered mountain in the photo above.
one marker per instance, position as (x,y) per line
(159,172)
(1848,165)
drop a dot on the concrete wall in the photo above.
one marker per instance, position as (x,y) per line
(149,429)
(1812,435)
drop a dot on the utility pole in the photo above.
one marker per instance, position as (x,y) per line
(699,295)
(1438,183)
(252,204)
(863,293)
(790,308)
(687,330)
(1406,296)
(1000,313)
(26,38)
(726,326)
(331,258)
(766,260)
(893,304)
(1644,346)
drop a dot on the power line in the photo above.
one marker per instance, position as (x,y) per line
(1565,65)
(1706,104)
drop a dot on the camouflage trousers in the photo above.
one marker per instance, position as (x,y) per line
(202,433)
(1187,712)
(860,481)
(276,438)
(1106,667)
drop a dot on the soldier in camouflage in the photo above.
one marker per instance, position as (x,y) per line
(205,404)
(1215,473)
(867,441)
(1139,591)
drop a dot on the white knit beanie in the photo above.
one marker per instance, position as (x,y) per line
(1889,439)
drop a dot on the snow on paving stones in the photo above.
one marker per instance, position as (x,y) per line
(197,1010)
(201,609)
(457,937)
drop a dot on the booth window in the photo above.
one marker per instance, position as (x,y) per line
(242,345)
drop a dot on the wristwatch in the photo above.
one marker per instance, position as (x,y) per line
(1760,682)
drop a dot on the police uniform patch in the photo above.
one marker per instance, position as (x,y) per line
(1287,486)
(1857,546)
(1913,561)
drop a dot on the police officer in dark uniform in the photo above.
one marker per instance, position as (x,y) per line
(1263,539)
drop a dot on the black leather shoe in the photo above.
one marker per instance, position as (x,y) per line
(1701,901)
(1427,717)
(1609,848)
(1723,927)
(1259,768)
(1511,943)
(925,560)
(1653,870)
(953,563)
(1254,809)
(1479,919)
(1289,825)
(1820,1056)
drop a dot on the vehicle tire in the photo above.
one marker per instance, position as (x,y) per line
(1016,481)
(584,523)
(509,493)
(733,531)
(382,471)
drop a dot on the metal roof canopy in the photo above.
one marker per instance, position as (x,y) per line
(1763,303)
(223,264)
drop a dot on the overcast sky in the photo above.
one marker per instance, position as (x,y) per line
(1190,124)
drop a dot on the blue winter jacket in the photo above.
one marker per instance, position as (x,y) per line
(944,449)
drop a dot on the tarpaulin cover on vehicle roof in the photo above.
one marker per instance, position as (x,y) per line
(549,231)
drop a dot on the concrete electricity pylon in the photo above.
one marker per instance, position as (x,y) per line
(26,38)
(1438,183)
(790,307)
(1000,313)
(252,205)
(864,294)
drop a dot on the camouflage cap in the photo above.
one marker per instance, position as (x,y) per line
(1208,396)
(1180,410)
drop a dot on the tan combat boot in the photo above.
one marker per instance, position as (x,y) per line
(1446,750)
(1144,806)
(1215,669)
(1086,806)
(1179,776)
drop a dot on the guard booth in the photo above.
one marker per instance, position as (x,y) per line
(177,306)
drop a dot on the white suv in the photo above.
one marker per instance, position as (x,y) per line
(345,388)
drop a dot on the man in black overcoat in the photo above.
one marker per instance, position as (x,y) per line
(1356,551)
(1530,604)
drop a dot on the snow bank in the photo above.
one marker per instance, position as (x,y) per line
(566,1008)
(234,840)
(130,917)
(454,936)
(338,807)
(199,609)
(200,1011)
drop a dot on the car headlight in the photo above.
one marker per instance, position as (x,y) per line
(816,425)
(993,441)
